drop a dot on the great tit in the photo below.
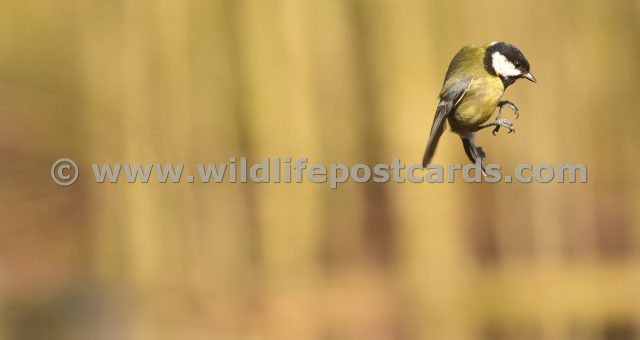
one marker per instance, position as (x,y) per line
(473,87)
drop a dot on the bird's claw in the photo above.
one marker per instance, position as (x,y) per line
(502,122)
(510,105)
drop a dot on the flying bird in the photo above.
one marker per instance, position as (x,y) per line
(473,87)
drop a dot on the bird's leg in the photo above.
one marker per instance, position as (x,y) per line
(500,122)
(510,105)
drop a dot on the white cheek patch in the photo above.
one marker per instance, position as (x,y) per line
(503,66)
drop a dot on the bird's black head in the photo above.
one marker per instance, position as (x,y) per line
(507,62)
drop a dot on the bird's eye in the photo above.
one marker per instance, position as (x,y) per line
(517,64)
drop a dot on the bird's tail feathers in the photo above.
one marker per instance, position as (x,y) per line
(474,153)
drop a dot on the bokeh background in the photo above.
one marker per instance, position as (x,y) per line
(337,81)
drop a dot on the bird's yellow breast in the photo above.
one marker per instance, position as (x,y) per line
(477,105)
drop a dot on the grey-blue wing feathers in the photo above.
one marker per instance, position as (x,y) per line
(449,100)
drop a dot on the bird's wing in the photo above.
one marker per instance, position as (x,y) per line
(448,102)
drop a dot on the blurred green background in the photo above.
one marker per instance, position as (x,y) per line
(338,81)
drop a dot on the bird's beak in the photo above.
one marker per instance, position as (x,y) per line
(530,77)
